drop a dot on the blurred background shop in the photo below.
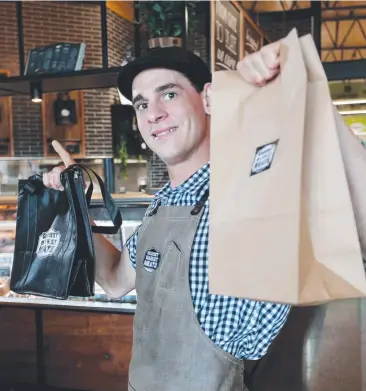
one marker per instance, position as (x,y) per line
(58,67)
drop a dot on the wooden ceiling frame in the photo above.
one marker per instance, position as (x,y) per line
(336,45)
(343,24)
(295,5)
(334,7)
(328,4)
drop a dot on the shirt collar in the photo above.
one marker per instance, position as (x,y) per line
(193,184)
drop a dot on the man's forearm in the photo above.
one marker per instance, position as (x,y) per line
(354,157)
(112,269)
(107,258)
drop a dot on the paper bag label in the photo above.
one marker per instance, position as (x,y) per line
(263,158)
(151,260)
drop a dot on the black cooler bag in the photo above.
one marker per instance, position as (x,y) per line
(54,251)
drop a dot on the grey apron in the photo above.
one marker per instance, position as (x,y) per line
(171,352)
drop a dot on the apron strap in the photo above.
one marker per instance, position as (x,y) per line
(200,204)
(155,208)
(196,209)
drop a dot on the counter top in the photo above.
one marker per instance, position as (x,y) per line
(130,196)
(68,304)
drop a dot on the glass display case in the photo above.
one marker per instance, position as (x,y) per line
(132,176)
(132,206)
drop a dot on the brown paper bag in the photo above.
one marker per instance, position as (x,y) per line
(282,227)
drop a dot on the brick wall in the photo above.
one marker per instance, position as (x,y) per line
(9,38)
(47,23)
(50,22)
(98,123)
(27,127)
(121,34)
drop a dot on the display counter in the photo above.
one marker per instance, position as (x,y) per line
(132,207)
(74,344)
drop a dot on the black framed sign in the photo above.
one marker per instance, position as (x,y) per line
(252,39)
(226,35)
(60,57)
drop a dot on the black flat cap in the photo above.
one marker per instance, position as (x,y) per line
(172,57)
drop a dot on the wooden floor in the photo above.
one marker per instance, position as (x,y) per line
(321,348)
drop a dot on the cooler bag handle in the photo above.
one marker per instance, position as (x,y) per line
(109,203)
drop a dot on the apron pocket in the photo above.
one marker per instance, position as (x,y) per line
(170,267)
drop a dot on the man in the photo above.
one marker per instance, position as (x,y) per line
(184,338)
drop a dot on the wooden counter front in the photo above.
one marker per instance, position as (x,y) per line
(69,349)
(18,347)
(87,351)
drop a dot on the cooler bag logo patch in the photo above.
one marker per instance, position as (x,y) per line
(151,260)
(263,157)
(48,243)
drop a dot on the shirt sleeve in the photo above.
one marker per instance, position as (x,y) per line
(131,244)
(270,318)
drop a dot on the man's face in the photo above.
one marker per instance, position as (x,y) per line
(170,114)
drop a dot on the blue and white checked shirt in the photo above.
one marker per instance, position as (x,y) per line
(243,328)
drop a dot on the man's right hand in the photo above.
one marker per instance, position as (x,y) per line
(113,270)
(52,179)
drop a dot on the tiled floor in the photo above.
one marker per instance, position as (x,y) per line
(321,348)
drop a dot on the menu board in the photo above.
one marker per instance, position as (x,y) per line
(226,35)
(252,39)
(60,57)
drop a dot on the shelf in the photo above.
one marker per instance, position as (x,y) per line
(70,304)
(68,81)
(130,197)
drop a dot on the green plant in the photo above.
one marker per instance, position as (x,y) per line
(164,18)
(123,156)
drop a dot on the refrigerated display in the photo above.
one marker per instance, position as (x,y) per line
(132,210)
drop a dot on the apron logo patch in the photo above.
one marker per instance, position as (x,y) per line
(263,157)
(48,243)
(151,260)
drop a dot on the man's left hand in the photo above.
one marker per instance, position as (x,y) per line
(261,67)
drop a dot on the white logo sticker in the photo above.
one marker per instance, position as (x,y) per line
(48,243)
(151,260)
(263,158)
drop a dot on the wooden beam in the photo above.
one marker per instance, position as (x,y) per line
(6,120)
(125,9)
(247,17)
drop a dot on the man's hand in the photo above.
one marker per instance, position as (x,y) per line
(52,179)
(261,67)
